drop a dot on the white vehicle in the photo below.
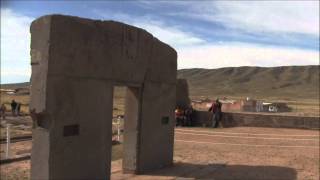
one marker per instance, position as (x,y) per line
(273,109)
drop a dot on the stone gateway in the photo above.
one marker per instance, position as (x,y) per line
(76,63)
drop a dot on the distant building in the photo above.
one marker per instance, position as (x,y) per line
(8,91)
(17,91)
(275,107)
(246,105)
(227,105)
(251,105)
(22,91)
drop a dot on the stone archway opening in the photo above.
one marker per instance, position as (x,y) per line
(126,106)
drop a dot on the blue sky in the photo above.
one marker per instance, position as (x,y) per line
(206,34)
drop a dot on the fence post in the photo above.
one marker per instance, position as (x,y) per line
(118,127)
(8,141)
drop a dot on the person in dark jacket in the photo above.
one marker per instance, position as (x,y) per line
(218,113)
(13,107)
(189,114)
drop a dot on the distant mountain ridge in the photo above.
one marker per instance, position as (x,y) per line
(15,85)
(284,81)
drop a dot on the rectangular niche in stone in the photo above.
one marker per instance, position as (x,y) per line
(71,130)
(165,120)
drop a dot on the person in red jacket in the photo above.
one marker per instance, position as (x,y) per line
(179,115)
(216,113)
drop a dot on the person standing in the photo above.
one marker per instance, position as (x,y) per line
(3,111)
(13,107)
(188,114)
(213,110)
(18,109)
(179,116)
(218,113)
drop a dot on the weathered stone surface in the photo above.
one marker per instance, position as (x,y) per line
(157,105)
(161,68)
(75,64)
(105,49)
(183,100)
(39,61)
(87,105)
(131,129)
(40,154)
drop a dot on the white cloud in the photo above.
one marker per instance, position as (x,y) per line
(261,16)
(193,52)
(15,45)
(16,71)
(171,35)
(226,55)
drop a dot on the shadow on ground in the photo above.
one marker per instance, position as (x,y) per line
(222,171)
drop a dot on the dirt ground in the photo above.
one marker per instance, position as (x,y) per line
(239,153)
(16,149)
(226,153)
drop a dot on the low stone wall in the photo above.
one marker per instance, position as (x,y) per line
(203,118)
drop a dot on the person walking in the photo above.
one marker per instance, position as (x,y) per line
(13,107)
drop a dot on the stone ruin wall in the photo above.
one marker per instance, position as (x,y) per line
(229,119)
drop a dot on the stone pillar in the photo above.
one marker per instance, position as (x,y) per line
(183,100)
(157,126)
(131,129)
(39,63)
(80,136)
(77,142)
(73,128)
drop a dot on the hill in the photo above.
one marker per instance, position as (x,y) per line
(287,82)
(15,85)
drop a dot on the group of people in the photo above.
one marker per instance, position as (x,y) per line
(184,116)
(15,109)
